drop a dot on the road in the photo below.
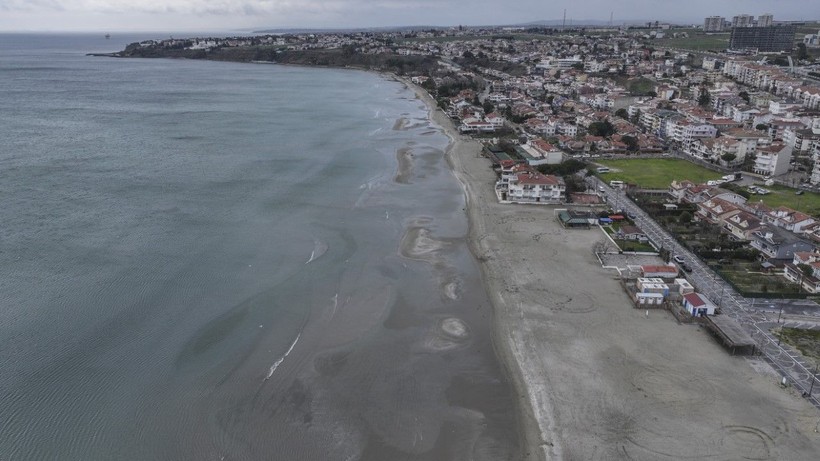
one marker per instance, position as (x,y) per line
(757,318)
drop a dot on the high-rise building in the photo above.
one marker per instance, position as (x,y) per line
(713,24)
(766,39)
(743,20)
(765,20)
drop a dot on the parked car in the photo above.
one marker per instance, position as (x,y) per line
(678,259)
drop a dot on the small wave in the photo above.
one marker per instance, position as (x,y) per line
(335,303)
(319,248)
(374,132)
(282,359)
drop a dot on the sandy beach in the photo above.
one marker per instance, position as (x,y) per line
(595,378)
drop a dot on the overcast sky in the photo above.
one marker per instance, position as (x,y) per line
(236,15)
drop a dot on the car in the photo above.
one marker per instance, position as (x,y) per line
(800,192)
(678,259)
(686,267)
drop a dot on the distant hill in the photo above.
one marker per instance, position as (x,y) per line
(574,23)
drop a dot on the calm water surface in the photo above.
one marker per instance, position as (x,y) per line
(204,260)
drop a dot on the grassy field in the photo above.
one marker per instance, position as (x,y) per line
(655,173)
(697,40)
(808,203)
(806,341)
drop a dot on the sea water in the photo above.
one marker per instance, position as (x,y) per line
(206,260)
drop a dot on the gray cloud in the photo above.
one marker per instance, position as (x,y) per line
(34,14)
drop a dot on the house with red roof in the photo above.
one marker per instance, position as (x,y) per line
(668,271)
(698,305)
(789,219)
(534,187)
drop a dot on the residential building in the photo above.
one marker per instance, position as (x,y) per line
(534,187)
(743,20)
(741,225)
(804,269)
(765,20)
(791,220)
(815,155)
(716,211)
(778,245)
(773,160)
(713,24)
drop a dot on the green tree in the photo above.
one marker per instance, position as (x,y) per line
(801,51)
(744,95)
(604,129)
(728,157)
(704,99)
(761,127)
(685,217)
(622,113)
(488,107)
(631,143)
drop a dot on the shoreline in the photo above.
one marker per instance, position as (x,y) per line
(594,378)
(530,432)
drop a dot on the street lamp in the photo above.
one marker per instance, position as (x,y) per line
(779,313)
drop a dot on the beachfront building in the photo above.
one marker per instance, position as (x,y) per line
(577,219)
(669,271)
(698,305)
(533,187)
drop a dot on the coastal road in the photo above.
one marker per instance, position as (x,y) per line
(757,322)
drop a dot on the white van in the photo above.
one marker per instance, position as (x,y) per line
(616,184)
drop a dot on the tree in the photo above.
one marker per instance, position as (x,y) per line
(604,129)
(631,143)
(622,113)
(761,127)
(744,95)
(685,217)
(806,270)
(704,99)
(728,157)
(488,107)
(801,51)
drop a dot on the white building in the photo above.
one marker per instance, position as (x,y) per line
(534,187)
(773,160)
(698,305)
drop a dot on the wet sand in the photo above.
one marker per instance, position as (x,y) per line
(594,378)
(404,158)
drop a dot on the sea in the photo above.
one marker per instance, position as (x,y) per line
(224,261)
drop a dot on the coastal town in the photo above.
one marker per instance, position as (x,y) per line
(693,153)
